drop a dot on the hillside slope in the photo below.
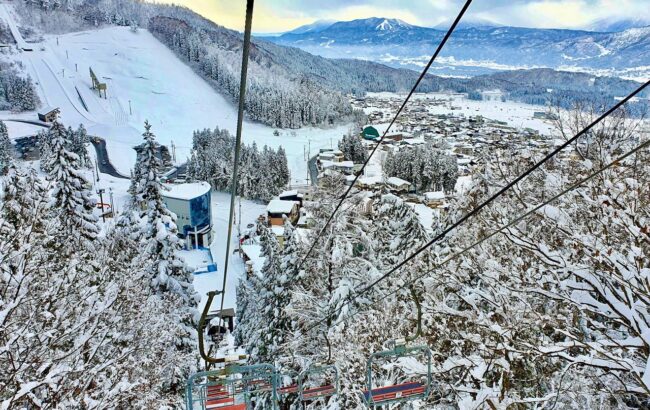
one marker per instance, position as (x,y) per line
(291,88)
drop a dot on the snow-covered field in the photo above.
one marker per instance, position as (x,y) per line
(516,114)
(146,81)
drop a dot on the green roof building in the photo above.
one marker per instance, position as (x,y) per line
(370,133)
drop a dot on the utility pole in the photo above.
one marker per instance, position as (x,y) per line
(63,73)
(239,226)
(94,175)
(110,192)
(173,152)
(67,56)
(130,110)
(101,202)
(76,69)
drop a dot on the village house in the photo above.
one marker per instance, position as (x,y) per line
(277,209)
(370,133)
(434,200)
(292,195)
(49,114)
(345,167)
(398,185)
(331,156)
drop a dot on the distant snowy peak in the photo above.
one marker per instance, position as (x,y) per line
(614,25)
(315,27)
(392,24)
(371,24)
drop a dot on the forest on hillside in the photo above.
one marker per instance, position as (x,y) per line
(263,173)
(17,92)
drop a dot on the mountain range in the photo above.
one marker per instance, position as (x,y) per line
(478,48)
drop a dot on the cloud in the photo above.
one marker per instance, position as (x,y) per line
(282,15)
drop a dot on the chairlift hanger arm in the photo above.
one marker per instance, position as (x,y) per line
(233,191)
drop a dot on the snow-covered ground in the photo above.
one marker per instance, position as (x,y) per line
(516,114)
(146,81)
(205,282)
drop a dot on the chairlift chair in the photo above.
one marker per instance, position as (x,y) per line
(326,388)
(291,388)
(402,392)
(228,387)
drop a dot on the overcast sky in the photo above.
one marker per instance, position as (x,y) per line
(282,15)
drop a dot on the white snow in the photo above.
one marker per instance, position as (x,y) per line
(21,129)
(279,206)
(434,195)
(516,114)
(146,81)
(186,191)
(197,259)
(208,281)
(7,16)
(397,182)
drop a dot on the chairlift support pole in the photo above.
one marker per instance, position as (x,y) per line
(233,189)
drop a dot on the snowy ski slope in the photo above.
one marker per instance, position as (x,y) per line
(141,73)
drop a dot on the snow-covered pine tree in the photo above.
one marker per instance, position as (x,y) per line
(169,276)
(44,150)
(57,311)
(352,148)
(341,264)
(22,201)
(170,273)
(281,169)
(6,149)
(79,145)
(278,279)
(71,200)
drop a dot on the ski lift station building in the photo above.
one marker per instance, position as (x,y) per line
(191,204)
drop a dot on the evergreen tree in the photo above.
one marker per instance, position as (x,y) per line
(44,150)
(78,145)
(169,277)
(353,149)
(6,149)
(71,199)
(22,201)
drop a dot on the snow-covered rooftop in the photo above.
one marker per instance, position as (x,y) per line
(277,230)
(289,193)
(370,180)
(397,182)
(278,206)
(48,109)
(342,164)
(186,191)
(254,253)
(434,195)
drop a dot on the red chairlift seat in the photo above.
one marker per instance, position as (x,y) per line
(220,403)
(398,391)
(230,406)
(260,385)
(316,392)
(294,388)
(217,391)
